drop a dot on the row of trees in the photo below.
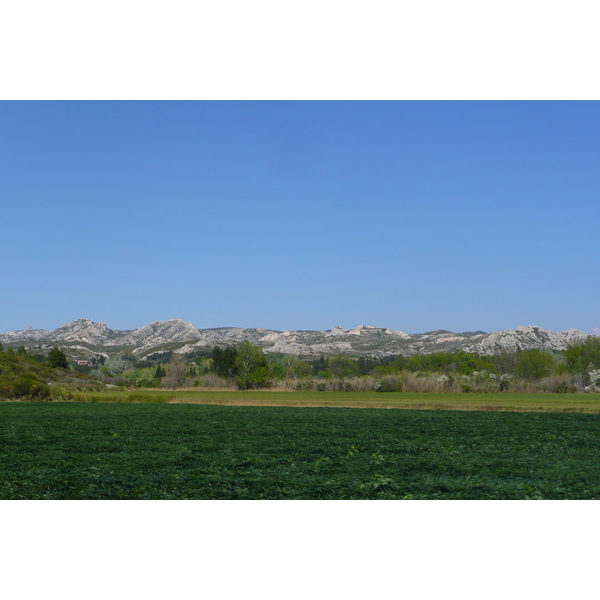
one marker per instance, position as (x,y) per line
(248,366)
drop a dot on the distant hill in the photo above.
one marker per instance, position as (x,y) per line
(83,339)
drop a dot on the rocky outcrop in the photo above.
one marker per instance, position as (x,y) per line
(161,332)
(85,330)
(527,338)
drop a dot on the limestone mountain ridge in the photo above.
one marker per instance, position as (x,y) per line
(84,339)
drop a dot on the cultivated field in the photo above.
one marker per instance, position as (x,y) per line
(84,450)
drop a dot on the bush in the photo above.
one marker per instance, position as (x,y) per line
(26,385)
(391,383)
(557,384)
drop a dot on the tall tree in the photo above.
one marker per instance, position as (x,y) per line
(224,361)
(57,358)
(177,372)
(534,364)
(251,365)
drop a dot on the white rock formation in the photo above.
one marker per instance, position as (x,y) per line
(527,338)
(84,336)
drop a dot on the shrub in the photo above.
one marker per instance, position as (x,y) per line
(26,385)
(558,384)
(392,383)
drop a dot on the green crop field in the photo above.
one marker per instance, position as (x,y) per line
(98,450)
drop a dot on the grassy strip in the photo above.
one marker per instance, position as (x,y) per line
(587,403)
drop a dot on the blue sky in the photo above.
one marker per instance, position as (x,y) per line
(411,215)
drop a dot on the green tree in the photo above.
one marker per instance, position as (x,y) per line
(203,365)
(224,361)
(260,376)
(277,371)
(365,364)
(505,362)
(321,364)
(579,356)
(251,365)
(534,364)
(342,366)
(57,358)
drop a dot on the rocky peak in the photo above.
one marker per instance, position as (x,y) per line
(339,330)
(173,330)
(82,330)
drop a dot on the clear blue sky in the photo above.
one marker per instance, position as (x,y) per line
(301,215)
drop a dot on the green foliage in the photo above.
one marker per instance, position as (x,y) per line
(24,377)
(342,366)
(199,355)
(365,364)
(57,359)
(292,365)
(29,386)
(277,371)
(145,377)
(260,376)
(224,361)
(579,356)
(319,365)
(464,363)
(534,365)
(203,365)
(251,366)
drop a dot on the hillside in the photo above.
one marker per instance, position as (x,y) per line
(84,339)
(22,376)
